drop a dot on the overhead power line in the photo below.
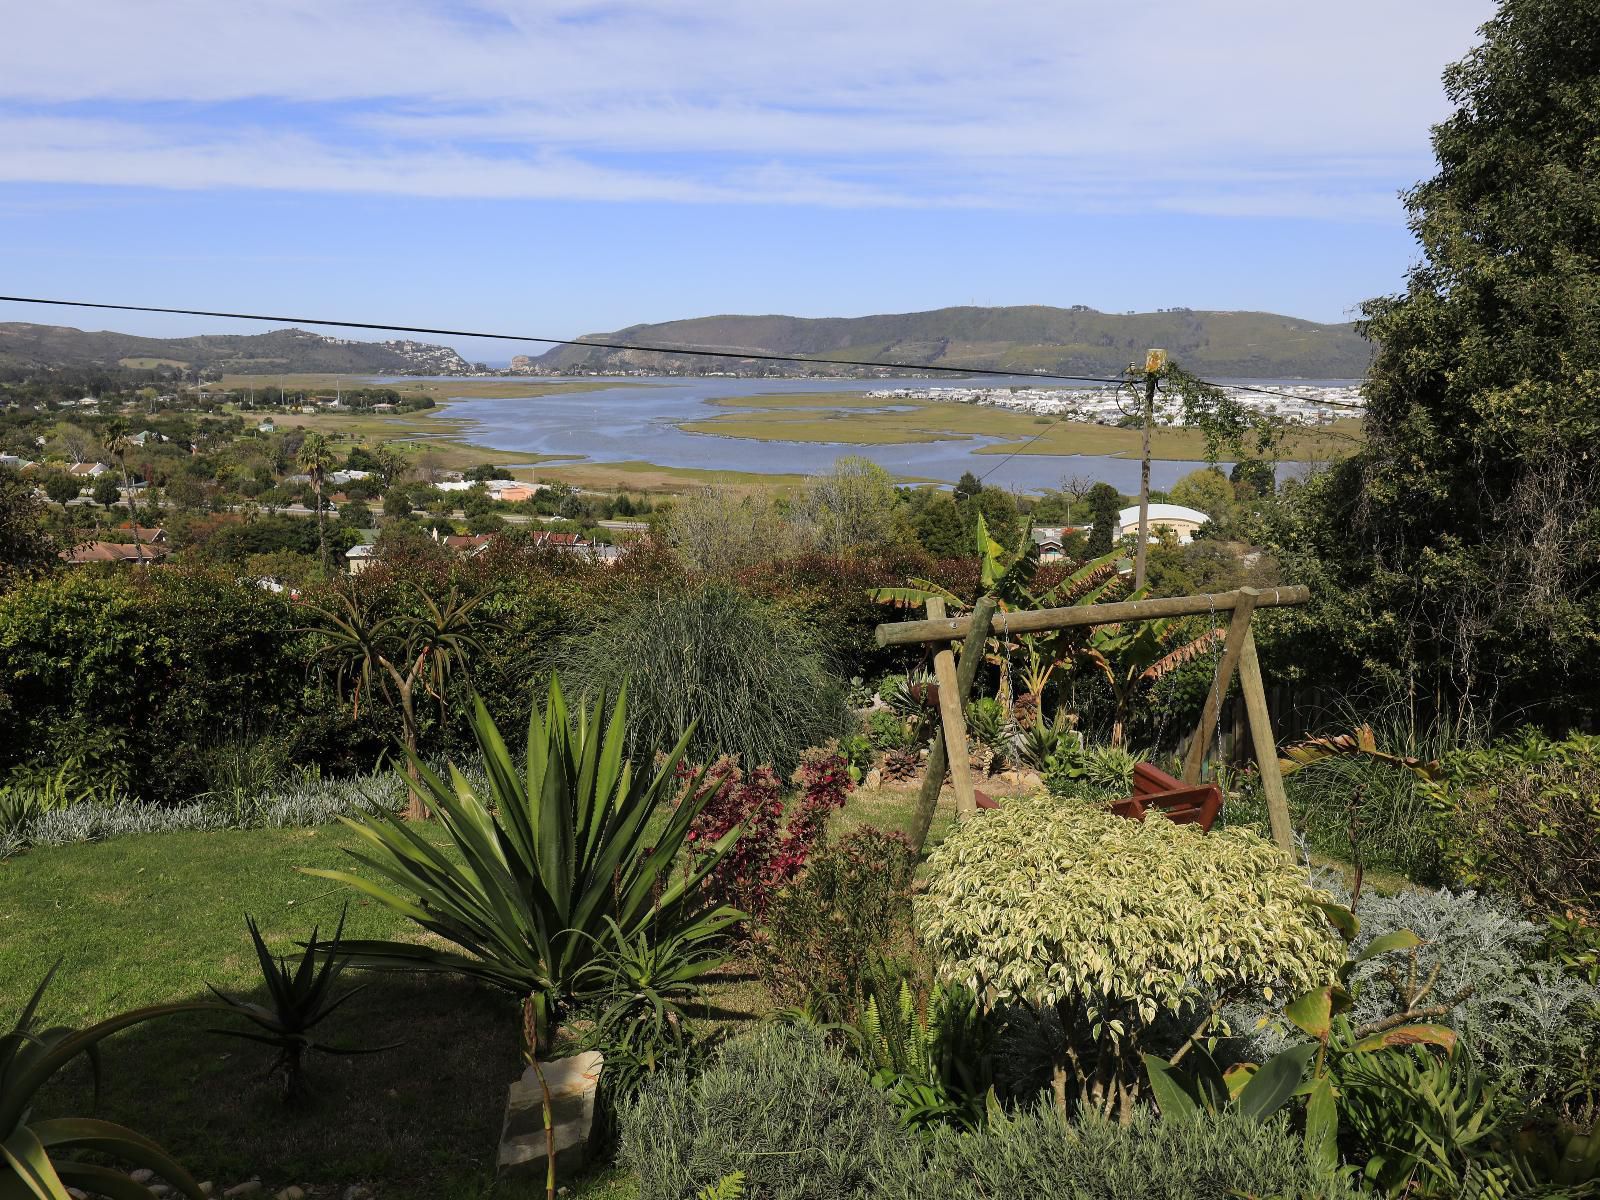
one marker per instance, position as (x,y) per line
(693,351)
(690,351)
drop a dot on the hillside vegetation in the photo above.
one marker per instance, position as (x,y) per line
(1027,337)
(24,345)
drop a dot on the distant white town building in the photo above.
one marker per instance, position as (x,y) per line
(1180,520)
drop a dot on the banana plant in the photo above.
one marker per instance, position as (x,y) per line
(1359,743)
(38,1156)
(542,861)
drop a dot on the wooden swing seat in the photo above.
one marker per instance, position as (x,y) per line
(1154,789)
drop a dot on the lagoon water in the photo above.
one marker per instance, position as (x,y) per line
(638,419)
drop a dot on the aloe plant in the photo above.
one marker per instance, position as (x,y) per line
(36,1154)
(300,999)
(540,860)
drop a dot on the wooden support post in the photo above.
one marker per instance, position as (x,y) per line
(1238,631)
(952,719)
(1266,745)
(938,756)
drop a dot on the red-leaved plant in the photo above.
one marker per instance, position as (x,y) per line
(772,850)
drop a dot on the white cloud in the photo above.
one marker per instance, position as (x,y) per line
(1243,106)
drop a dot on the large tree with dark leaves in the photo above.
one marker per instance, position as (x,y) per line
(26,548)
(1459,554)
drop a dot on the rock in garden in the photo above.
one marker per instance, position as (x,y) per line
(572,1082)
(291,1193)
(142,1176)
(207,1188)
(874,779)
(248,1188)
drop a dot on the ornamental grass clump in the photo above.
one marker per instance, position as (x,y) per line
(1119,929)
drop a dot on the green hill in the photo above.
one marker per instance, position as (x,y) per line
(1030,338)
(280,350)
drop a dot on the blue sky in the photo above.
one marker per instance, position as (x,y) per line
(565,167)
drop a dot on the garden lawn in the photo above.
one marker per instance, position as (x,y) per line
(154,918)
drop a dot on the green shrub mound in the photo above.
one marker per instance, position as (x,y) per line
(753,681)
(1046,900)
(1035,1156)
(779,1104)
(1525,817)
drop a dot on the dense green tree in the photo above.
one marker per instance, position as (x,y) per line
(26,548)
(396,504)
(941,528)
(1458,555)
(968,486)
(355,514)
(1207,490)
(105,491)
(61,487)
(1253,473)
(1105,504)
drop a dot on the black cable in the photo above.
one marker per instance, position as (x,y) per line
(1245,387)
(695,352)
(759,356)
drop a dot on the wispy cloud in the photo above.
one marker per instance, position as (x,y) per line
(1247,107)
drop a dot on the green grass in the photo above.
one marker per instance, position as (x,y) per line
(858,419)
(154,918)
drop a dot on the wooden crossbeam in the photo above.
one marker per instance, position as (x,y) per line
(1040,620)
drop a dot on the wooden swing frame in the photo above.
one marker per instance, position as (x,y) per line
(1238,654)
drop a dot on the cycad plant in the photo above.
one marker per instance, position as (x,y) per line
(38,1157)
(300,999)
(545,866)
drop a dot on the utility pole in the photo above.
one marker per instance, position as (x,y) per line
(1155,361)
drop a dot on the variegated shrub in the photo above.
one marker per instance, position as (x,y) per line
(1111,924)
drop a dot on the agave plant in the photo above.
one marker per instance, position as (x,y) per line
(541,859)
(301,999)
(36,1154)
(641,987)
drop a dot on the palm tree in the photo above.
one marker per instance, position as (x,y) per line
(117,444)
(315,457)
(400,652)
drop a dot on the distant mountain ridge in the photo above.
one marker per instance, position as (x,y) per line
(280,350)
(1076,340)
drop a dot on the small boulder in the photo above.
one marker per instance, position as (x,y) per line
(874,780)
(142,1176)
(248,1188)
(572,1083)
